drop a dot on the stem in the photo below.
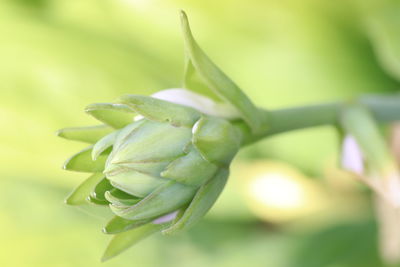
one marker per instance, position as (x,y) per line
(383,109)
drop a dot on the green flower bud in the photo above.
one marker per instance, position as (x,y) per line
(164,167)
(159,163)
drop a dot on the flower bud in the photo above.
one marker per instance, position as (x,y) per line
(165,168)
(366,154)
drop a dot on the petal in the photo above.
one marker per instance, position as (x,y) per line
(82,161)
(80,194)
(161,111)
(150,168)
(104,143)
(153,141)
(216,139)
(352,159)
(101,188)
(96,201)
(120,198)
(119,225)
(191,169)
(165,199)
(166,218)
(135,183)
(127,132)
(201,203)
(89,134)
(199,102)
(123,241)
(115,115)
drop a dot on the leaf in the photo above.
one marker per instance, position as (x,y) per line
(218,81)
(80,194)
(89,134)
(161,111)
(166,198)
(123,241)
(201,203)
(118,225)
(216,139)
(82,162)
(115,115)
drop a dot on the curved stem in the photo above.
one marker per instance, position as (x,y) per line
(383,109)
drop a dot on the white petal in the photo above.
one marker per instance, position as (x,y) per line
(201,103)
(138,118)
(352,159)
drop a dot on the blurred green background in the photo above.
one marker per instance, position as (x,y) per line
(57,56)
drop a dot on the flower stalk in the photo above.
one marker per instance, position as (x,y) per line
(384,109)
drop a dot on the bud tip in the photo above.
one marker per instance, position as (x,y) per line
(58,133)
(182,14)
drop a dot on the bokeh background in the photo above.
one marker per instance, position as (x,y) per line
(286,204)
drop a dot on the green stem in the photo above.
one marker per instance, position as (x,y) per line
(383,108)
